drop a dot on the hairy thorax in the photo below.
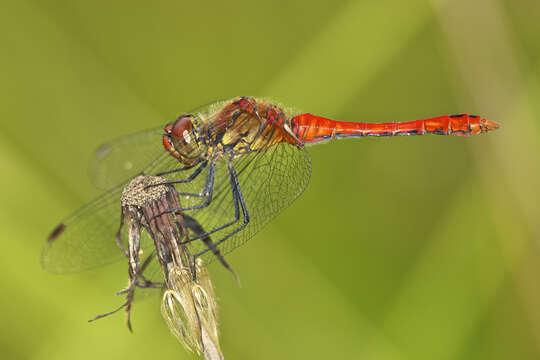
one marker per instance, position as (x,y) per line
(242,132)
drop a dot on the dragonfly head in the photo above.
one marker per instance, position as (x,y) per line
(181,140)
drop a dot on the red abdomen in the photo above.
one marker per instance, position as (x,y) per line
(310,128)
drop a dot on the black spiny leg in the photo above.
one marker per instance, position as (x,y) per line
(177,170)
(238,201)
(198,230)
(190,178)
(236,212)
(206,193)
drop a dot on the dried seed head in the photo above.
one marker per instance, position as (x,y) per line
(203,278)
(188,305)
(178,313)
(190,310)
(143,189)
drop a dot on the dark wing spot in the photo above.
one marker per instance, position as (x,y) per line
(57,231)
(457,115)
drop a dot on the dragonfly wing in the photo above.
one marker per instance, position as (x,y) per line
(270,180)
(123,158)
(87,238)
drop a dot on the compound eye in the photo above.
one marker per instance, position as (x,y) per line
(182,129)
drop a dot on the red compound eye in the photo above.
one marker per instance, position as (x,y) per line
(182,128)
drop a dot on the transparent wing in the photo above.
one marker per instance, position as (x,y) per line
(269,180)
(87,238)
(123,158)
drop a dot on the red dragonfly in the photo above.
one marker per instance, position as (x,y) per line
(235,164)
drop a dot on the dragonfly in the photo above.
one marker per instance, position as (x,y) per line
(235,164)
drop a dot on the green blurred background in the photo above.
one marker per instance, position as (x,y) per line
(404,248)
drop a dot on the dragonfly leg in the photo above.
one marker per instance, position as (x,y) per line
(207,190)
(239,202)
(204,235)
(190,178)
(177,170)
(206,193)
(236,211)
(196,227)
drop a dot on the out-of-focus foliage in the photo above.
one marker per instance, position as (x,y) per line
(406,248)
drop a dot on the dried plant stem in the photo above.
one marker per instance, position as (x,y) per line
(188,305)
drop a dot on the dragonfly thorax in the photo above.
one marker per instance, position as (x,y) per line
(182,141)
